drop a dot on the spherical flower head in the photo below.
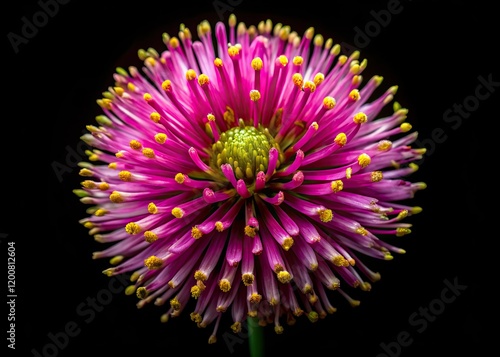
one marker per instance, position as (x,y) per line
(248,174)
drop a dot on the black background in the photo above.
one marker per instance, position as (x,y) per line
(435,54)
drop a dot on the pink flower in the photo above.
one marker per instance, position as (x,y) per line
(247,174)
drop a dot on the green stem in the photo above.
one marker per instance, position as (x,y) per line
(255,337)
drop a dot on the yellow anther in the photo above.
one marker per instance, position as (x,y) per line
(384,145)
(147,97)
(203,80)
(403,214)
(151,61)
(86,173)
(376,176)
(348,173)
(200,276)
(233,51)
(174,42)
(132,228)
(103,186)
(149,153)
(180,178)
(354,95)
(100,212)
(318,79)
(134,144)
(329,102)
(224,285)
(211,117)
(340,139)
(119,90)
(335,50)
(166,85)
(153,262)
(298,80)
(236,327)
(360,118)
(287,243)
(255,298)
(115,197)
(88,184)
(150,237)
(88,225)
(195,291)
(161,138)
(250,231)
(342,59)
(340,261)
(112,165)
(284,277)
(362,231)
(313,316)
(400,231)
(364,160)
(219,226)
(196,233)
(120,154)
(116,260)
(247,278)
(416,210)
(413,166)
(218,62)
(310,86)
(125,176)
(141,292)
(405,127)
(175,304)
(177,212)
(325,215)
(254,95)
(298,60)
(283,60)
(152,208)
(190,74)
(196,317)
(130,290)
(337,185)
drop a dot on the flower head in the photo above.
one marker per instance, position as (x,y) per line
(247,175)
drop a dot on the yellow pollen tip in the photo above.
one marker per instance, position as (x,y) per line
(203,80)
(130,290)
(141,292)
(195,317)
(337,185)
(348,173)
(112,165)
(131,87)
(298,80)
(134,144)
(180,178)
(125,176)
(364,160)
(150,237)
(166,85)
(329,103)
(400,231)
(310,86)
(247,278)
(119,90)
(195,291)
(200,276)
(219,226)
(233,51)
(298,60)
(354,95)
(86,173)
(132,228)
(318,79)
(405,127)
(218,62)
(161,138)
(403,214)
(360,118)
(384,145)
(153,262)
(284,277)
(340,139)
(254,95)
(313,316)
(325,215)
(283,60)
(250,231)
(103,186)
(100,212)
(236,327)
(287,243)
(211,117)
(196,233)
(174,42)
(115,197)
(340,261)
(224,285)
(152,208)
(416,210)
(88,184)
(177,212)
(175,304)
(116,260)
(255,298)
(376,176)
(147,97)
(190,74)
(149,153)
(154,116)
(362,231)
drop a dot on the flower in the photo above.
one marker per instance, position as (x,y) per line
(247,171)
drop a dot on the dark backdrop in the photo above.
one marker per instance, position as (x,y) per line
(437,54)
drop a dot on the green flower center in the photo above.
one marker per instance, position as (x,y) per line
(246,149)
